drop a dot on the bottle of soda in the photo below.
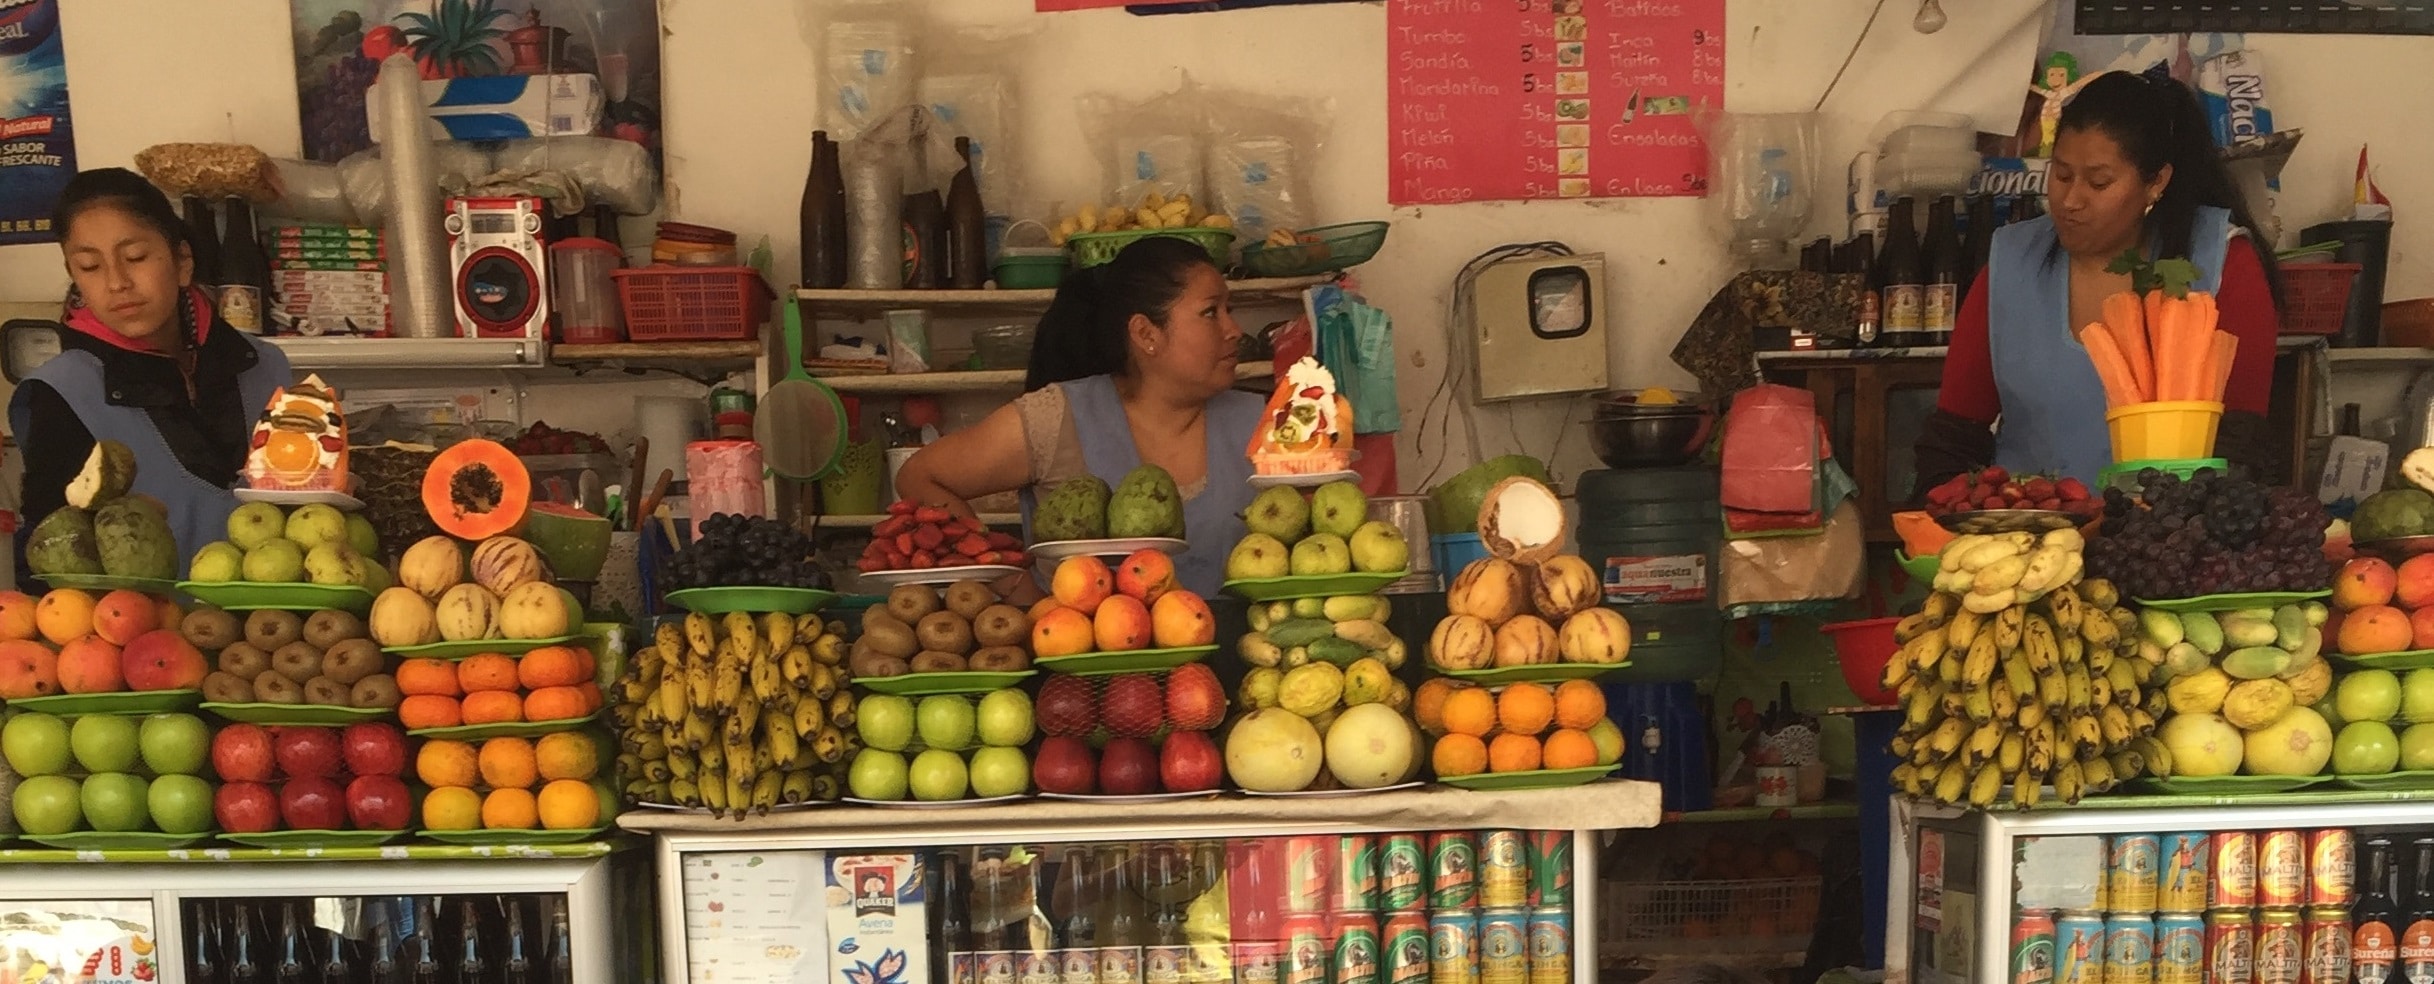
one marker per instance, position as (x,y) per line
(2417,941)
(471,964)
(380,943)
(337,965)
(294,949)
(1119,917)
(950,915)
(1079,928)
(422,957)
(560,953)
(2375,923)
(204,962)
(516,965)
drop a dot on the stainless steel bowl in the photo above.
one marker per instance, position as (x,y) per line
(1625,403)
(1650,442)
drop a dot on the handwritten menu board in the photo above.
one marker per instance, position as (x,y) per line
(1519,99)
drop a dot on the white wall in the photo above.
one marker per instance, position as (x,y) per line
(741,107)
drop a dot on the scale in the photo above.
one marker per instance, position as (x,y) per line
(1536,319)
(25,344)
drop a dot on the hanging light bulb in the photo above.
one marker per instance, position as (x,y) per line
(1930,17)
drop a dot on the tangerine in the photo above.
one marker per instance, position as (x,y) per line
(64,615)
(1579,705)
(569,804)
(552,666)
(486,672)
(556,704)
(1428,703)
(508,763)
(1512,752)
(593,700)
(493,707)
(510,809)
(567,755)
(1525,708)
(1569,748)
(436,677)
(452,808)
(446,762)
(1459,755)
(429,711)
(1470,711)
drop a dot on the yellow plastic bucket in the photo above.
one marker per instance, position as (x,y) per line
(2164,429)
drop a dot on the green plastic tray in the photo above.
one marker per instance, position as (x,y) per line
(2390,781)
(2408,659)
(241,596)
(296,714)
(1311,585)
(1533,779)
(927,684)
(1127,661)
(315,838)
(1540,673)
(506,729)
(117,840)
(465,648)
(2229,602)
(128,702)
(757,600)
(508,838)
(2218,785)
(111,582)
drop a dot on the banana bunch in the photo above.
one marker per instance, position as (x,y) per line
(2046,690)
(1992,572)
(1155,211)
(736,713)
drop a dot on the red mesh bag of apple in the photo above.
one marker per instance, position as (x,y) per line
(1129,734)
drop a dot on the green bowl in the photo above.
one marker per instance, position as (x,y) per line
(1920,569)
(751,598)
(1091,249)
(240,596)
(1336,247)
(1016,271)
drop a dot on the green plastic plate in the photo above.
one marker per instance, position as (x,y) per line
(1533,779)
(1127,661)
(240,596)
(757,600)
(117,840)
(926,684)
(508,838)
(131,702)
(2408,659)
(2219,785)
(299,714)
(2229,602)
(1541,673)
(111,582)
(2389,781)
(1310,585)
(465,648)
(315,838)
(506,729)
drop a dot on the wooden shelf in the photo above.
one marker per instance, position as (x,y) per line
(985,380)
(2388,358)
(744,351)
(869,303)
(847,521)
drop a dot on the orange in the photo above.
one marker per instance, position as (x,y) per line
(507,763)
(1579,705)
(1459,755)
(452,808)
(1428,703)
(436,677)
(1470,711)
(1512,753)
(489,671)
(567,755)
(17,615)
(592,698)
(429,711)
(569,804)
(1525,708)
(1569,748)
(64,616)
(556,704)
(510,809)
(445,762)
(493,707)
(552,666)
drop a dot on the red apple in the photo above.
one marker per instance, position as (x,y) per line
(312,804)
(1189,762)
(307,753)
(1068,706)
(373,748)
(1195,701)
(379,802)
(245,807)
(1065,764)
(162,660)
(1132,705)
(1128,767)
(242,753)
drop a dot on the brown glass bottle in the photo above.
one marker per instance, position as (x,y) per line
(472,965)
(244,273)
(1977,240)
(823,217)
(1943,260)
(1869,317)
(967,225)
(203,232)
(1902,279)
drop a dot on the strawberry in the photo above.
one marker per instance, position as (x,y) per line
(932,514)
(891,526)
(901,507)
(988,557)
(928,537)
(904,543)
(869,564)
(2039,487)
(1003,541)
(972,546)
(2071,490)
(1994,475)
(2050,504)
(923,560)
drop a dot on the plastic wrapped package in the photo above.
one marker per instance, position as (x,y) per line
(875,165)
(309,191)
(867,71)
(211,170)
(613,172)
(1261,150)
(1148,146)
(980,108)
(366,181)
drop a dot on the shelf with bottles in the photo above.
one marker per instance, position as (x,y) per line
(456,939)
(847,303)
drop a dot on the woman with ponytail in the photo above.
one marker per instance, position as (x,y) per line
(2134,167)
(1133,364)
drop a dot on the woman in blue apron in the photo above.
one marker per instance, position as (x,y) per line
(2134,166)
(1133,363)
(144,361)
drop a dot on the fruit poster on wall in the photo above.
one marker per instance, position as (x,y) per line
(340,43)
(37,143)
(1520,99)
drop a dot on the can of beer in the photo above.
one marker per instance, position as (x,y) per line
(2180,873)
(1078,965)
(1355,944)
(1404,948)
(998,967)
(2281,871)
(1306,862)
(2180,948)
(1356,873)
(2129,873)
(1119,965)
(1504,871)
(1550,945)
(1504,946)
(2332,867)
(1453,947)
(2281,946)
(2231,943)
(1258,961)
(1402,870)
(2324,945)
(1165,964)
(2233,884)
(2032,947)
(2079,948)
(1550,867)
(2129,948)
(1453,871)
(1042,966)
(1306,951)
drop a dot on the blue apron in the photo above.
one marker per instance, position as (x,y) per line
(198,510)
(2053,403)
(1212,520)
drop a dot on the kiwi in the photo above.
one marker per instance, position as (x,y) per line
(244,659)
(227,688)
(933,661)
(967,598)
(1001,625)
(877,613)
(327,692)
(377,690)
(210,629)
(1001,659)
(351,660)
(909,602)
(298,661)
(270,628)
(273,688)
(329,627)
(868,664)
(890,636)
(944,632)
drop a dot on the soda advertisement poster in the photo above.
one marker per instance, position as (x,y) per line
(37,143)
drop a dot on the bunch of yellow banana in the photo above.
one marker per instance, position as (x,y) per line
(1155,211)
(1992,572)
(736,713)
(2050,691)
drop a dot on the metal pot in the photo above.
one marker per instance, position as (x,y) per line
(1650,442)
(1408,514)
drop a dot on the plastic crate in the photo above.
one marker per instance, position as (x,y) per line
(1659,919)
(2315,297)
(1091,249)
(668,303)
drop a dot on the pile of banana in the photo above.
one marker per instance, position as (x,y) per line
(2047,688)
(1155,211)
(1995,571)
(736,713)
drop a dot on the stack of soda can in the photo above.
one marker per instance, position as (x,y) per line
(1499,907)
(2221,907)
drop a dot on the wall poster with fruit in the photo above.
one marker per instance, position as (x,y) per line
(340,43)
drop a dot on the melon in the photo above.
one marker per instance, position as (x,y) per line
(1370,746)
(1273,750)
(574,542)
(476,490)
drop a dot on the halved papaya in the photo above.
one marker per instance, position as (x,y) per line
(476,490)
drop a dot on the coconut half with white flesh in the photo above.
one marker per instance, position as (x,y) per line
(2418,468)
(1522,521)
(108,474)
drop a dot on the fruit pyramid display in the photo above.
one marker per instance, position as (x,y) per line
(919,537)
(2242,689)
(501,589)
(1328,532)
(311,778)
(2016,673)
(548,685)
(511,783)
(1518,727)
(1145,503)
(2379,608)
(1309,728)
(102,529)
(736,713)
(923,630)
(2384,721)
(324,658)
(941,747)
(107,773)
(2208,535)
(1130,734)
(74,642)
(309,544)
(1525,604)
(1344,630)
(1135,605)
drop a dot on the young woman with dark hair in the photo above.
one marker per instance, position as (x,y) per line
(2134,167)
(144,361)
(1133,363)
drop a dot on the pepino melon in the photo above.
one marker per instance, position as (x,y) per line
(574,542)
(476,490)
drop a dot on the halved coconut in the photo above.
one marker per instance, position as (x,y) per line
(108,474)
(1522,521)
(2418,468)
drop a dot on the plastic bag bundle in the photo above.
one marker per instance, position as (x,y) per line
(366,180)
(867,59)
(618,173)
(1259,180)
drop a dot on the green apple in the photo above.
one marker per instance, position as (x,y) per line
(2417,696)
(1000,771)
(1609,741)
(179,804)
(1278,511)
(2417,747)
(1338,508)
(885,722)
(218,563)
(945,721)
(174,744)
(2367,695)
(361,536)
(254,524)
(47,805)
(1320,553)
(1378,547)
(116,801)
(1005,721)
(35,744)
(104,743)
(275,562)
(938,775)
(2365,748)
(877,774)
(1258,555)
(316,525)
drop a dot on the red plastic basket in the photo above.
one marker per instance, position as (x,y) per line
(669,303)
(2315,297)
